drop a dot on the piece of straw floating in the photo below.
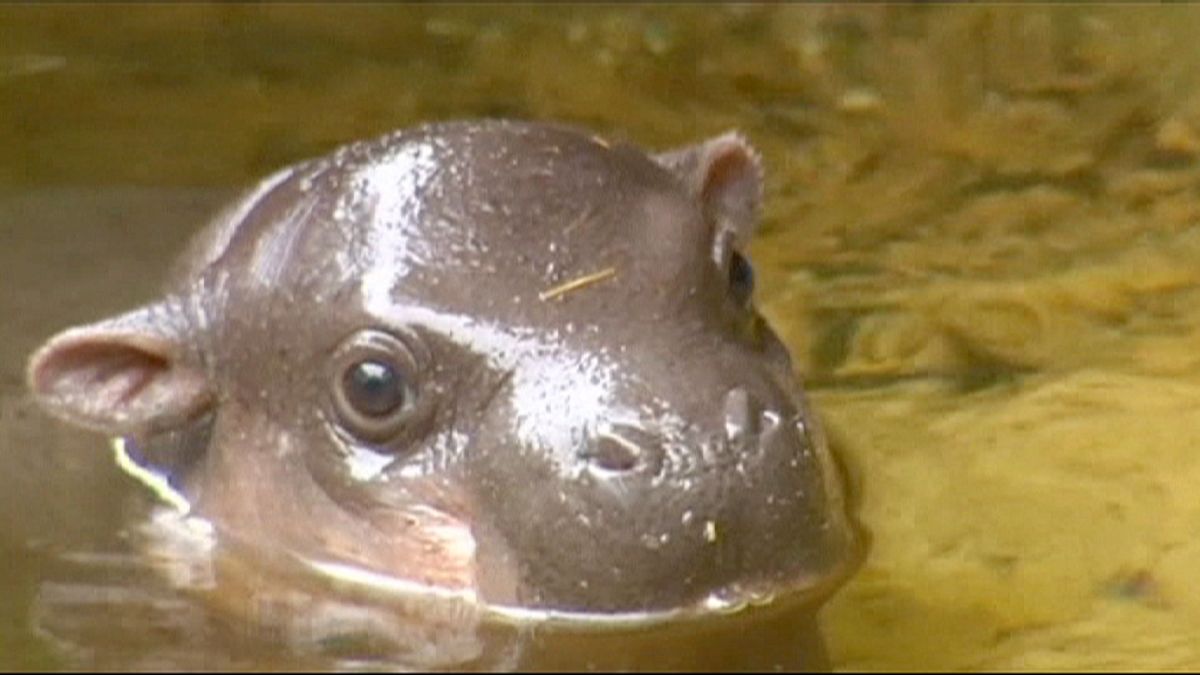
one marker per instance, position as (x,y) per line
(576,284)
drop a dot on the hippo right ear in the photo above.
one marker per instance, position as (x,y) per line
(119,376)
(725,175)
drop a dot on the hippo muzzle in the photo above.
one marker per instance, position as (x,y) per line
(510,360)
(701,488)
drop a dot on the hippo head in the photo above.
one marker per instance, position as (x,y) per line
(513,360)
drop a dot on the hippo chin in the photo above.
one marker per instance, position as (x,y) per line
(509,361)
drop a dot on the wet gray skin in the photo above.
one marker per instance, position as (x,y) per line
(509,359)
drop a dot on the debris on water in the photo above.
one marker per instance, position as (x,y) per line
(30,64)
(1177,137)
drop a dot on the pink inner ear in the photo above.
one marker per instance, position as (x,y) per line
(117,369)
(732,184)
(116,383)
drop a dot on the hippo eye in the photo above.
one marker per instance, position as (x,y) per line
(741,278)
(373,382)
(374,389)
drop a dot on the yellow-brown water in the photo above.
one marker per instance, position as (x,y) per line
(981,244)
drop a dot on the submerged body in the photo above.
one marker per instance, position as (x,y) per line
(511,363)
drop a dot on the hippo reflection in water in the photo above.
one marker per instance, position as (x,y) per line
(507,362)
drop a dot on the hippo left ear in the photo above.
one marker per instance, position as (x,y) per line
(120,376)
(725,174)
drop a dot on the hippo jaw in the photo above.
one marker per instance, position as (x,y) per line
(560,461)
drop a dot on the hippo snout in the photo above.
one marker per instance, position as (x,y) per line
(723,501)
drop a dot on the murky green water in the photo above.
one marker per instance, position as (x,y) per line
(981,245)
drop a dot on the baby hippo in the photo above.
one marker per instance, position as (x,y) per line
(509,361)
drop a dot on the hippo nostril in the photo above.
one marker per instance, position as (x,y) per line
(769,421)
(743,416)
(612,452)
(770,425)
(622,448)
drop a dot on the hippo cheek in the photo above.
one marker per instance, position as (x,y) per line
(261,484)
